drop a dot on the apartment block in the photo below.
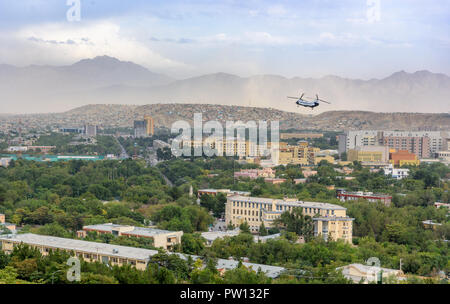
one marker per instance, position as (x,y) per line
(330,221)
(422,143)
(302,154)
(345,196)
(161,238)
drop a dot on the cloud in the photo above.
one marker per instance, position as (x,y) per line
(57,43)
(276,10)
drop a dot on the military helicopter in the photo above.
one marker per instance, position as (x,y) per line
(308,103)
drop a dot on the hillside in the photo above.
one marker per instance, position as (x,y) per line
(166,114)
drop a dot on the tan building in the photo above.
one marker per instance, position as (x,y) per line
(150,125)
(369,154)
(300,135)
(6,225)
(161,238)
(330,221)
(302,154)
(229,146)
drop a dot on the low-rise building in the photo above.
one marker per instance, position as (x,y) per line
(369,154)
(330,221)
(255,173)
(397,173)
(274,181)
(214,192)
(161,238)
(4,224)
(112,254)
(159,144)
(369,274)
(345,196)
(4,161)
(308,173)
(211,236)
(429,224)
(439,205)
(403,158)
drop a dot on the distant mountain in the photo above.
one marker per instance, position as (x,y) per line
(108,80)
(46,88)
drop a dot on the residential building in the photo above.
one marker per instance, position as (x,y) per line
(140,128)
(345,196)
(330,221)
(161,238)
(90,130)
(302,154)
(229,146)
(300,135)
(396,173)
(422,143)
(439,205)
(211,236)
(4,161)
(4,224)
(274,180)
(308,173)
(255,173)
(112,254)
(369,274)
(403,157)
(429,224)
(227,192)
(444,156)
(369,154)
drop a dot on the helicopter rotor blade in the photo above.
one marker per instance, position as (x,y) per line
(324,101)
(293,97)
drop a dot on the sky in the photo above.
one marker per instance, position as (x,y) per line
(311,38)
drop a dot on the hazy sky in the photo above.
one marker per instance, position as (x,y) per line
(187,38)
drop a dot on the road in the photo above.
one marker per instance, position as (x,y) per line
(123,154)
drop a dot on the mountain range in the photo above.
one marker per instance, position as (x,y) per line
(107,80)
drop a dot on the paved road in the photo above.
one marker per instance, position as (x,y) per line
(123,154)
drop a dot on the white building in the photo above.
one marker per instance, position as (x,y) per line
(397,173)
(369,274)
(4,162)
(17,149)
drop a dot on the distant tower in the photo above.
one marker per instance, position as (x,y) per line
(150,125)
(191,191)
(20,132)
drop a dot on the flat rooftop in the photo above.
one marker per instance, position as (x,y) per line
(123,251)
(365,194)
(287,203)
(212,235)
(84,246)
(141,231)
